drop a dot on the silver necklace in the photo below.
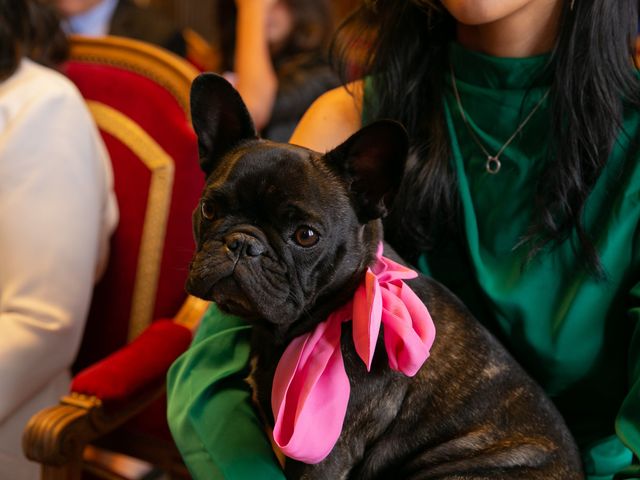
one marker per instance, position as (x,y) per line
(492,165)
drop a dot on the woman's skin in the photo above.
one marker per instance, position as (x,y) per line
(331,119)
(502,28)
(511,28)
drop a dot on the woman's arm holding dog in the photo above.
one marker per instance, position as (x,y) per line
(210,411)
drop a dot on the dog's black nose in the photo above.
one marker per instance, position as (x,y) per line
(243,244)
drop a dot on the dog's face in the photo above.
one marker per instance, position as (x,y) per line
(280,226)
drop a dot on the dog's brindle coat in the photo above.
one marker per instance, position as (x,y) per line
(470,413)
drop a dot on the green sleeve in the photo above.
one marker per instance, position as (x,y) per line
(628,420)
(209,405)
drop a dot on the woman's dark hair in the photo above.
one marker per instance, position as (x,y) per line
(311,32)
(592,76)
(29,28)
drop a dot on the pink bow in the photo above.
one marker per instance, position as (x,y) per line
(311,388)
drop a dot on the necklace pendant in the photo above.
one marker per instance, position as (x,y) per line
(493,165)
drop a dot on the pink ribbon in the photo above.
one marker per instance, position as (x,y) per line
(311,388)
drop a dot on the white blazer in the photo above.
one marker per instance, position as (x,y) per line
(57,211)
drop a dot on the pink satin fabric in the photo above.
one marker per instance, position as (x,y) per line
(311,388)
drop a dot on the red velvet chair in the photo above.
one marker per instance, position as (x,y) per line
(139,97)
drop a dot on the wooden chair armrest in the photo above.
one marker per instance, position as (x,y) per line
(57,436)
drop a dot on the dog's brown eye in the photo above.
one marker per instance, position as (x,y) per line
(306,236)
(208,211)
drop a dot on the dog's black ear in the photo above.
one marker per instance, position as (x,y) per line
(220,118)
(372,162)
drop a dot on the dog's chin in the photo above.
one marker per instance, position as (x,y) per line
(237,308)
(228,295)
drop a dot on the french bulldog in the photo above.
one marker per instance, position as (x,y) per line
(284,235)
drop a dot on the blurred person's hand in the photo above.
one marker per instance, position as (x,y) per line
(256,3)
(277,17)
(69,8)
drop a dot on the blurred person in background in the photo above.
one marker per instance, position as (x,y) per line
(57,211)
(122,18)
(274,53)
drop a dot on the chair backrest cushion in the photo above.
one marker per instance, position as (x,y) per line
(157,182)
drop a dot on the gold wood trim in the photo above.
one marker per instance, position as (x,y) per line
(56,436)
(163,67)
(158,202)
(191,312)
(197,47)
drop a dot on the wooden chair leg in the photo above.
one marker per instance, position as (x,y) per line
(71,471)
